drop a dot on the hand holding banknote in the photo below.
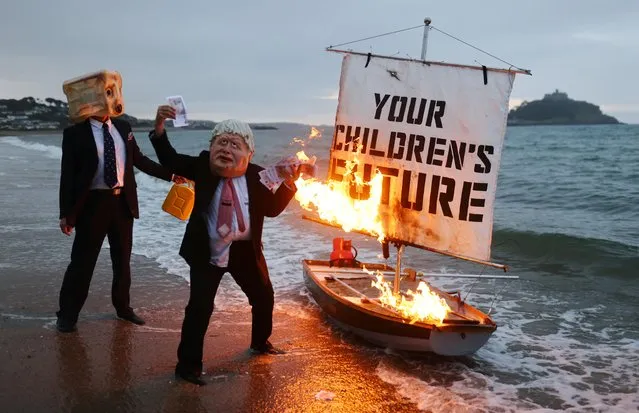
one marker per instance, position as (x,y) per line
(164,112)
(287,171)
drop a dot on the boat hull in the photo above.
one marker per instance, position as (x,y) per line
(391,331)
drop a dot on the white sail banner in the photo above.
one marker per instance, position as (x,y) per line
(435,132)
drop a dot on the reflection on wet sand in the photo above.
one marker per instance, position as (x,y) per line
(119,378)
(81,370)
(258,397)
(74,371)
(183,398)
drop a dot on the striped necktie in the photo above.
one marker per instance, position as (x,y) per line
(110,169)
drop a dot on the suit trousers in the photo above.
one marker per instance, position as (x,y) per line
(103,214)
(205,280)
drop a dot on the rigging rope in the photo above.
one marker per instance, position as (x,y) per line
(478,49)
(442,32)
(379,35)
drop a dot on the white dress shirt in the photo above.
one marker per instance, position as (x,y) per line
(120,154)
(220,247)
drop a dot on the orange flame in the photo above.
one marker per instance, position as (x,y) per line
(302,156)
(333,204)
(423,305)
(313,134)
(298,140)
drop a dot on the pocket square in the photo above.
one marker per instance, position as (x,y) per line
(130,137)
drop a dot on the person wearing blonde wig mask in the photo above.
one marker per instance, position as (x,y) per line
(224,232)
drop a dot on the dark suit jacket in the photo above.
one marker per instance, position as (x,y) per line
(262,202)
(80,161)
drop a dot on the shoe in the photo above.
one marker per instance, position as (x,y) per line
(65,326)
(266,348)
(132,317)
(189,376)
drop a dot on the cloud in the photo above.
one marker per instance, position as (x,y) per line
(16,89)
(620,107)
(268,61)
(618,39)
(332,96)
(593,36)
(515,102)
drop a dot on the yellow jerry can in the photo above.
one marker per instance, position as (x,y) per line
(179,201)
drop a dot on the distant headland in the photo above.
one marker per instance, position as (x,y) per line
(32,114)
(558,109)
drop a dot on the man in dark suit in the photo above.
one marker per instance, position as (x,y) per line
(98,197)
(224,233)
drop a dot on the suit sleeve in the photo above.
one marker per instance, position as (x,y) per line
(149,166)
(180,164)
(67,169)
(274,203)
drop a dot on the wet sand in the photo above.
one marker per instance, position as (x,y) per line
(110,365)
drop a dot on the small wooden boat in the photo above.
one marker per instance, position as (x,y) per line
(347,297)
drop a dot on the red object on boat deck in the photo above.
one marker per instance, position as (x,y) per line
(342,253)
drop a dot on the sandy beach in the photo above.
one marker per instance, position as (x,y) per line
(110,365)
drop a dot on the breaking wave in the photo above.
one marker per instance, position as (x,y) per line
(50,151)
(600,257)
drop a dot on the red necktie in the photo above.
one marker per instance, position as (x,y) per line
(229,203)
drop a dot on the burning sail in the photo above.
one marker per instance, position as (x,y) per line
(415,154)
(432,134)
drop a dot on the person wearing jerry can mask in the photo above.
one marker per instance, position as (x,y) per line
(224,232)
(98,192)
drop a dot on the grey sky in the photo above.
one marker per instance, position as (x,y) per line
(264,61)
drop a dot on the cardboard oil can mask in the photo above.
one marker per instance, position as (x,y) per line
(94,94)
